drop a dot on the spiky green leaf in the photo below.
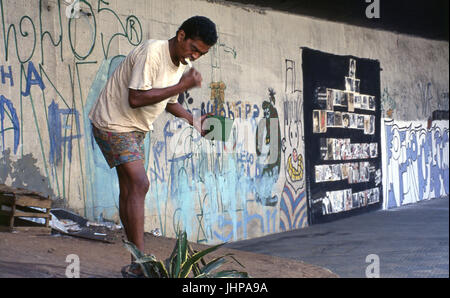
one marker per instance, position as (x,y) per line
(186,267)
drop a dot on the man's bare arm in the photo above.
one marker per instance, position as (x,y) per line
(139,98)
(178,111)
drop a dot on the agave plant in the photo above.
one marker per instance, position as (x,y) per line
(183,261)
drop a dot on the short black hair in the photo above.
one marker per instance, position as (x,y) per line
(199,27)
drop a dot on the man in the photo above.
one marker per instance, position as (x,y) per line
(145,84)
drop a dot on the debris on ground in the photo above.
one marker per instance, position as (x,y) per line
(69,223)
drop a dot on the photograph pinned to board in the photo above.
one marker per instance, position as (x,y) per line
(372,125)
(330,99)
(373,150)
(372,103)
(337,149)
(357,101)
(346,149)
(355,200)
(350,101)
(337,97)
(352,68)
(353,120)
(348,199)
(316,121)
(344,171)
(364,171)
(338,119)
(362,198)
(323,148)
(356,83)
(330,148)
(365,151)
(349,84)
(330,119)
(323,121)
(319,176)
(360,122)
(364,102)
(345,120)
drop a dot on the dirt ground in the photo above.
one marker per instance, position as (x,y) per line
(26,255)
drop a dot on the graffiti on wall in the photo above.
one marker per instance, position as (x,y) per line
(293,205)
(417,162)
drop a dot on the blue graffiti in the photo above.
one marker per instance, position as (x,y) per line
(33,78)
(4,102)
(55,129)
(8,75)
(411,148)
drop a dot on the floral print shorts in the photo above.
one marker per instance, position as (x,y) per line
(120,147)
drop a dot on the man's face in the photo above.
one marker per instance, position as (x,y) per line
(190,48)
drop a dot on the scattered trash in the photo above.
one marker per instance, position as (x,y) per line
(156,232)
(69,223)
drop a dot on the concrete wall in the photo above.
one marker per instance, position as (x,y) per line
(53,65)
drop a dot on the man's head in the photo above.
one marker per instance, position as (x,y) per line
(195,36)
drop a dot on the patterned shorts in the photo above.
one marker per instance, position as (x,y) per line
(120,147)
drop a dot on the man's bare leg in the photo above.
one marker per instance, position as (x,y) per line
(134,185)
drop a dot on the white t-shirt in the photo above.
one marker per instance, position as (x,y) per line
(147,66)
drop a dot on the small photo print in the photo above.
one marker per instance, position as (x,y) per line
(372,103)
(316,121)
(352,68)
(353,121)
(345,120)
(365,151)
(337,149)
(344,99)
(359,122)
(357,102)
(376,193)
(319,173)
(355,200)
(344,171)
(365,102)
(346,150)
(323,149)
(338,201)
(373,150)
(349,84)
(362,199)
(355,172)
(330,119)
(366,124)
(372,125)
(364,172)
(337,97)
(337,119)
(348,199)
(337,175)
(327,173)
(330,99)
(356,87)
(330,148)
(323,121)
(350,101)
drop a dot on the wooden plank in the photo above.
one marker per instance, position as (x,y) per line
(33,202)
(30,214)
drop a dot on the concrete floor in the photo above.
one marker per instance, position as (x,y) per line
(409,241)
